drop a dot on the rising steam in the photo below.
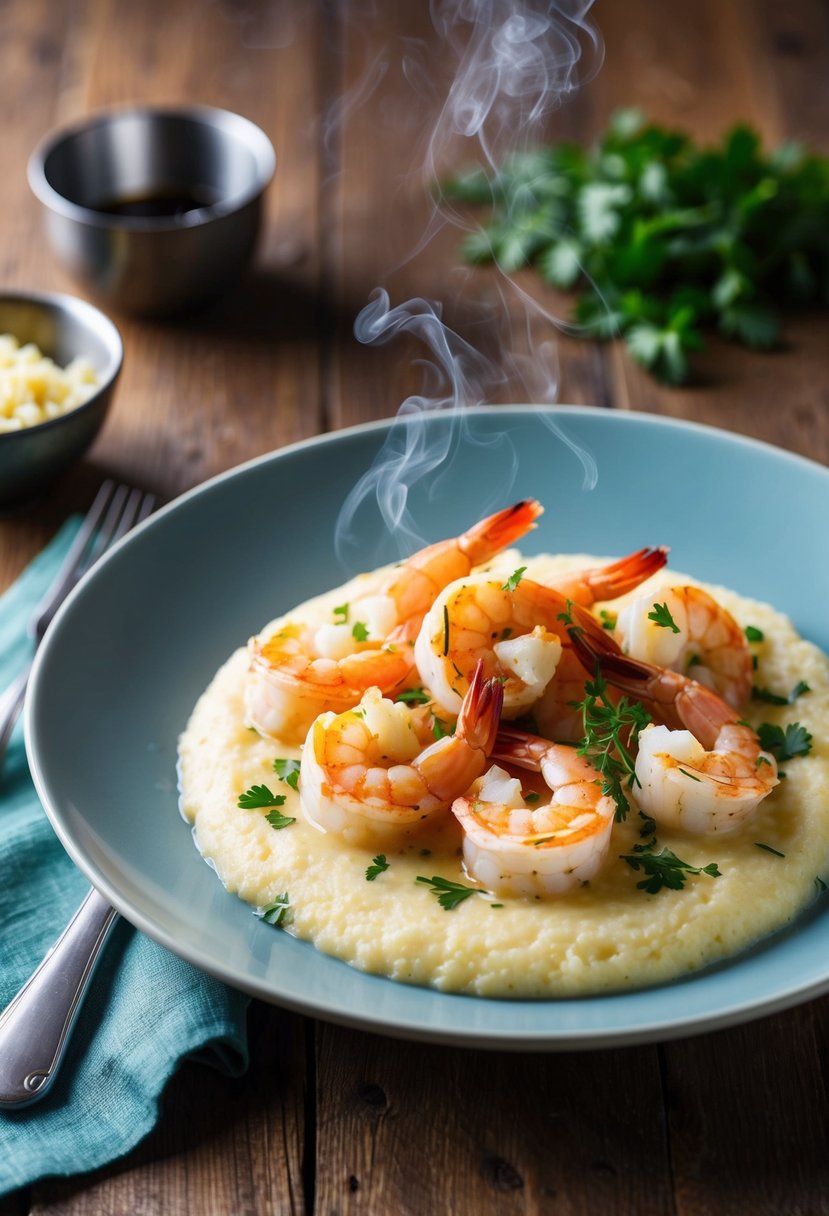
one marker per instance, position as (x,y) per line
(516,63)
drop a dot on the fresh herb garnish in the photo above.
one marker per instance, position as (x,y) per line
(277,820)
(753,634)
(531,798)
(441,729)
(774,698)
(449,894)
(608,619)
(287,771)
(378,866)
(609,733)
(259,796)
(514,579)
(342,613)
(795,740)
(660,237)
(413,696)
(768,849)
(278,913)
(661,616)
(663,869)
(359,631)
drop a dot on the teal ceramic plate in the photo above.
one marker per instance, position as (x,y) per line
(137,642)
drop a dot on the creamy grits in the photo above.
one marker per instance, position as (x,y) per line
(607,935)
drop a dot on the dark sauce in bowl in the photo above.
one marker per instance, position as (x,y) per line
(160,204)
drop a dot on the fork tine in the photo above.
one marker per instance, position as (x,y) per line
(137,507)
(107,530)
(66,574)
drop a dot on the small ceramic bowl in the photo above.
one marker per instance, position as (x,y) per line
(63,327)
(154,210)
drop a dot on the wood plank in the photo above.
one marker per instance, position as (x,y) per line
(409,1128)
(747,1117)
(221,1146)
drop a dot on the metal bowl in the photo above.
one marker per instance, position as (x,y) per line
(154,210)
(63,327)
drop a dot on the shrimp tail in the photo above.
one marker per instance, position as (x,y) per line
(488,537)
(675,699)
(624,575)
(480,713)
(517,747)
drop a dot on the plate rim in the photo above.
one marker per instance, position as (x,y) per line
(514,1039)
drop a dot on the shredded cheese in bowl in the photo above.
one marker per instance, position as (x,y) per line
(34,389)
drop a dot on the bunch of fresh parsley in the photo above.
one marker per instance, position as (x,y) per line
(660,237)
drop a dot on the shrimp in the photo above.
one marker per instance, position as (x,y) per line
(701,769)
(587,587)
(515,631)
(707,643)
(368,775)
(301,670)
(514,848)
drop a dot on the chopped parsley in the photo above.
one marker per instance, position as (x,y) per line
(768,849)
(441,729)
(359,631)
(378,866)
(608,619)
(449,894)
(287,771)
(531,798)
(278,913)
(514,579)
(663,869)
(259,796)
(277,820)
(342,613)
(413,696)
(773,698)
(795,740)
(753,634)
(661,616)
(610,731)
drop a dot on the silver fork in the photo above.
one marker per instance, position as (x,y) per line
(36,1025)
(116,509)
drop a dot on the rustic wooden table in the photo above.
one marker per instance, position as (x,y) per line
(328,1119)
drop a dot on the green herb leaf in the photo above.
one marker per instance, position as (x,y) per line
(288,771)
(278,913)
(661,616)
(277,820)
(773,698)
(378,866)
(259,796)
(795,740)
(413,696)
(342,613)
(663,869)
(768,849)
(359,631)
(610,734)
(449,894)
(608,619)
(753,634)
(514,579)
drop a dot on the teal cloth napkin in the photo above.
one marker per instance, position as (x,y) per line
(146,1009)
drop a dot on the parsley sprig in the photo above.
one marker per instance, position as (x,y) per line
(287,771)
(514,579)
(260,796)
(610,731)
(449,894)
(662,238)
(773,698)
(795,740)
(378,866)
(662,869)
(661,616)
(277,913)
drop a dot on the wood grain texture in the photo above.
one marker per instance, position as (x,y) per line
(407,1128)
